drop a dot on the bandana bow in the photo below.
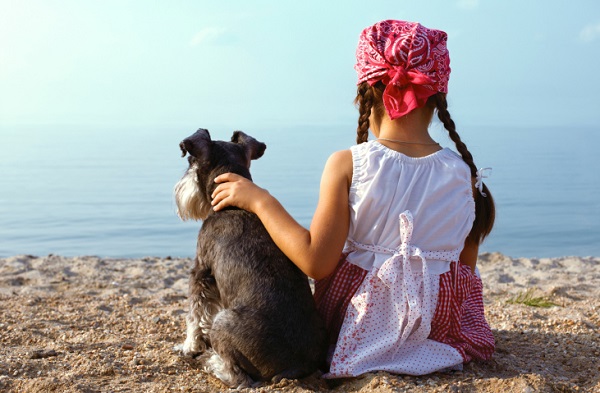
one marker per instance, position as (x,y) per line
(405,91)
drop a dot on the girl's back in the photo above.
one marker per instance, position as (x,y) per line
(435,189)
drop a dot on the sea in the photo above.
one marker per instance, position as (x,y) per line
(108,190)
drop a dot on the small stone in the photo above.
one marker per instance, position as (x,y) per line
(104,308)
(127,347)
(42,354)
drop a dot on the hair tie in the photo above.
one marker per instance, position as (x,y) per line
(479,179)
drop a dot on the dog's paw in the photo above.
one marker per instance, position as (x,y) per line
(183,351)
(191,347)
(227,371)
(178,348)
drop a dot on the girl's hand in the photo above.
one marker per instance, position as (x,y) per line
(235,190)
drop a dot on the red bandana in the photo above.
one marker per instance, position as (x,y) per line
(410,59)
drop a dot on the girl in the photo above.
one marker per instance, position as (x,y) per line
(406,215)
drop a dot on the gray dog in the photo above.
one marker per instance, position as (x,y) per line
(252,315)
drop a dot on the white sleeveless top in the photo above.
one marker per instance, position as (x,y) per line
(435,189)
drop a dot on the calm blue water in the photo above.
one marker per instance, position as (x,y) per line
(108,191)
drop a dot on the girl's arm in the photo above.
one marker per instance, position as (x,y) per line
(316,251)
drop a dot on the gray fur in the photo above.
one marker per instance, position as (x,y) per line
(251,313)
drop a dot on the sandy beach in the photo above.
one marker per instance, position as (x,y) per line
(89,324)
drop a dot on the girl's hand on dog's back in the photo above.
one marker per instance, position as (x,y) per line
(235,190)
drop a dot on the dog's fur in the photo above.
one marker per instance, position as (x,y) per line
(251,314)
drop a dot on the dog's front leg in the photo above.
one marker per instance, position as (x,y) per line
(198,325)
(204,305)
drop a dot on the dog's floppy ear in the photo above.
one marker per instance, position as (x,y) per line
(197,144)
(254,149)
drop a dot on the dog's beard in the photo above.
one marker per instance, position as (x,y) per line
(191,201)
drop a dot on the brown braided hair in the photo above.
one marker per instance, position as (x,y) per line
(370,97)
(485,210)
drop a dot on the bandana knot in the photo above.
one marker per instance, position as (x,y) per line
(410,59)
(401,78)
(404,90)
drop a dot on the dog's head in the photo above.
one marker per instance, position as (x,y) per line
(207,160)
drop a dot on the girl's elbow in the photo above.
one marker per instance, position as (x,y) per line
(317,275)
(319,270)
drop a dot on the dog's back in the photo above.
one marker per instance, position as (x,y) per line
(257,283)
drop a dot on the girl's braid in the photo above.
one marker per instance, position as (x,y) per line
(369,100)
(444,116)
(364,100)
(485,211)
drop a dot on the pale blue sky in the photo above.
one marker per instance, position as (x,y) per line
(264,63)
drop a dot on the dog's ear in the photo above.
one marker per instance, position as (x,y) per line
(254,149)
(197,144)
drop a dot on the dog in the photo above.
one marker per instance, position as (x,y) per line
(252,315)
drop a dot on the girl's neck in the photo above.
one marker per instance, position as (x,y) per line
(413,129)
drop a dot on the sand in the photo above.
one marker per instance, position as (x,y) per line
(89,324)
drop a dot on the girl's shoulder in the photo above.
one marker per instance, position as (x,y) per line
(340,165)
(341,156)
(341,159)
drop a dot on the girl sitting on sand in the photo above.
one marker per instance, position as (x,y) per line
(406,215)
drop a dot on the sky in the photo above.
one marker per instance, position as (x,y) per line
(243,63)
